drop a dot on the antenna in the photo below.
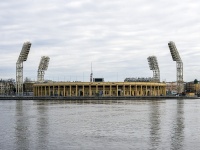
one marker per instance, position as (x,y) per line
(19,67)
(91,74)
(179,66)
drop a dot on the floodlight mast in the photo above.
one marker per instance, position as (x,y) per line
(44,62)
(153,65)
(19,67)
(179,66)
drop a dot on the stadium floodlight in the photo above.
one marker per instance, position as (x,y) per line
(19,67)
(179,66)
(44,62)
(153,65)
(174,51)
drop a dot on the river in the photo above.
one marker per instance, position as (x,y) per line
(96,125)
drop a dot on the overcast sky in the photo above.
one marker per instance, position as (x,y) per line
(117,36)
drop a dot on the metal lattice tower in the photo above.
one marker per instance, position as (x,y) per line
(153,65)
(179,66)
(19,67)
(44,62)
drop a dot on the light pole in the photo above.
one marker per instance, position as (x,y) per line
(19,67)
(44,62)
(179,66)
(153,65)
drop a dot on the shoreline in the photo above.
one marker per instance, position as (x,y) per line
(95,98)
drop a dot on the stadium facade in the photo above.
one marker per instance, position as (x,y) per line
(99,89)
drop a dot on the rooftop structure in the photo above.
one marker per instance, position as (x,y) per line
(138,79)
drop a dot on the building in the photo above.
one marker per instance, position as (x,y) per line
(7,87)
(99,89)
(171,88)
(28,88)
(191,87)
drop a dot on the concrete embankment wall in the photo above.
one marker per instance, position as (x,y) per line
(97,98)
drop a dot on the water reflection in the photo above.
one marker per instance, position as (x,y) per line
(154,118)
(21,127)
(150,124)
(177,134)
(42,125)
(79,102)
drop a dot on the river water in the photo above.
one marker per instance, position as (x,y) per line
(96,125)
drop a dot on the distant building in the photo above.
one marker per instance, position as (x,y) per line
(191,87)
(28,88)
(171,88)
(7,87)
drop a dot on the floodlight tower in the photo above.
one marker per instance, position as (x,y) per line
(44,62)
(153,65)
(19,67)
(179,65)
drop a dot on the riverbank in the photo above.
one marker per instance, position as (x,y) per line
(95,98)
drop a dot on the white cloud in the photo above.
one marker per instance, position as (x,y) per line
(117,36)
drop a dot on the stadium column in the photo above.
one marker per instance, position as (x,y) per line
(141,93)
(70,90)
(45,92)
(83,91)
(153,93)
(161,90)
(146,91)
(90,90)
(130,90)
(110,89)
(117,89)
(103,89)
(97,88)
(123,90)
(136,92)
(49,90)
(53,90)
(76,90)
(58,90)
(64,91)
(38,88)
